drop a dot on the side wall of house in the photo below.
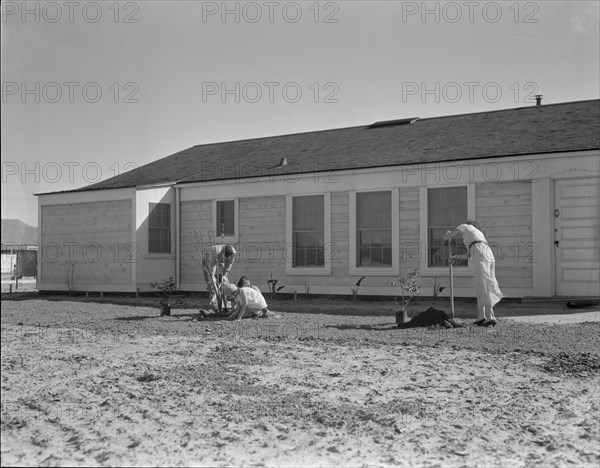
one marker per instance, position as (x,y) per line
(86,241)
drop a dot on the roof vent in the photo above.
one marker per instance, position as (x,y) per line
(393,123)
(538,99)
(282,162)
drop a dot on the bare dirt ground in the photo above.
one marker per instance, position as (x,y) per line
(329,383)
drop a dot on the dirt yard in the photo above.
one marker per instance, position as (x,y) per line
(326,384)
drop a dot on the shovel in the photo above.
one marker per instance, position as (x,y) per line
(451,279)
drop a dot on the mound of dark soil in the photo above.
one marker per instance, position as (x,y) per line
(431,318)
(582,364)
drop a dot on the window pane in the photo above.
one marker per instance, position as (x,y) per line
(375,218)
(159,228)
(362,219)
(364,239)
(320,238)
(387,255)
(225,218)
(364,257)
(373,222)
(229,227)
(301,239)
(386,238)
(376,257)
(308,230)
(151,214)
(319,213)
(298,212)
(311,239)
(310,256)
(320,256)
(376,238)
(299,257)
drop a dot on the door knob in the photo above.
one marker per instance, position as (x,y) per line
(556,243)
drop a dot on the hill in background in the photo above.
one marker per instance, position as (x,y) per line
(16,231)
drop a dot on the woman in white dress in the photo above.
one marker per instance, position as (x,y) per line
(486,285)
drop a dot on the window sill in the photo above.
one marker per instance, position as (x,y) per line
(227,240)
(309,271)
(159,256)
(366,271)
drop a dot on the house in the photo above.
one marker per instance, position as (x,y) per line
(319,210)
(19,248)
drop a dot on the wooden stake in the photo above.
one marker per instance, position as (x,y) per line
(451,279)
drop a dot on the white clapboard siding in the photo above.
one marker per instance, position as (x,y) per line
(261,243)
(409,229)
(339,234)
(95,239)
(504,211)
(194,215)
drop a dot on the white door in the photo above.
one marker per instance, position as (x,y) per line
(577,237)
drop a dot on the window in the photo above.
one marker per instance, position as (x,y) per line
(374,232)
(225,218)
(159,228)
(447,207)
(308,231)
(374,229)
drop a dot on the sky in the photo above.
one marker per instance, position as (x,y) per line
(93,89)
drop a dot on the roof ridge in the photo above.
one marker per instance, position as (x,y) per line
(511,109)
(365,126)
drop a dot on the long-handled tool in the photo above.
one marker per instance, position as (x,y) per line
(220,289)
(451,279)
(215,287)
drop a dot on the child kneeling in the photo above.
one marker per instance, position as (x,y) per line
(248,301)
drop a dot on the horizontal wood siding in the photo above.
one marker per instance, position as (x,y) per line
(262,249)
(504,210)
(95,236)
(339,235)
(194,215)
(410,243)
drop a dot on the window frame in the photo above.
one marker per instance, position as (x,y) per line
(392,270)
(426,270)
(151,206)
(228,239)
(290,269)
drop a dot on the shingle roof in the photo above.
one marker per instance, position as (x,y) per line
(541,129)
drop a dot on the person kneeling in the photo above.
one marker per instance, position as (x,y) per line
(248,301)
